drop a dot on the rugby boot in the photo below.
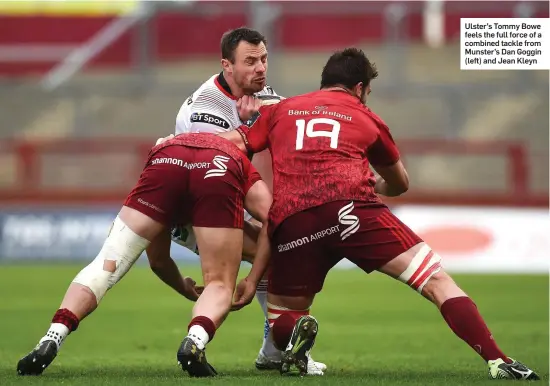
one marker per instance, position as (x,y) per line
(264,362)
(35,362)
(301,343)
(193,359)
(498,369)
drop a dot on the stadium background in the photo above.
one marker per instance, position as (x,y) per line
(86,87)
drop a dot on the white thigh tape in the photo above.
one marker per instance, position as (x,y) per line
(423,266)
(123,247)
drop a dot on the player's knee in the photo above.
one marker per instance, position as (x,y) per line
(219,279)
(290,302)
(222,289)
(422,268)
(109,265)
(95,277)
(441,287)
(119,252)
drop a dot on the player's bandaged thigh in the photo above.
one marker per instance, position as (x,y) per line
(423,266)
(119,252)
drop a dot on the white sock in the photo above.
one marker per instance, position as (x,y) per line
(199,336)
(57,332)
(261,295)
(269,349)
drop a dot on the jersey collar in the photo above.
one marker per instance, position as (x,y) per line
(223,86)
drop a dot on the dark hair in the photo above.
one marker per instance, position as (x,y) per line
(232,38)
(347,68)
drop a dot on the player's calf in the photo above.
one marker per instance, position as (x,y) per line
(119,252)
(220,258)
(282,322)
(208,314)
(420,268)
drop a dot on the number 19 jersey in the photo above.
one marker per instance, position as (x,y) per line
(321,144)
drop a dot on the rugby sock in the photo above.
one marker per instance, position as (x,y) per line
(463,318)
(63,322)
(261,295)
(201,330)
(282,321)
(268,348)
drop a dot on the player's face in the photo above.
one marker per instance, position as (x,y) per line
(250,68)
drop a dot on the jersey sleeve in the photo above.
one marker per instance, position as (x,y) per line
(256,136)
(252,176)
(182,120)
(383,152)
(203,117)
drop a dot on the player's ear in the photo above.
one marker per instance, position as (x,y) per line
(226,65)
(358,90)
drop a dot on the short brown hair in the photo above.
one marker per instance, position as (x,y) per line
(348,68)
(232,38)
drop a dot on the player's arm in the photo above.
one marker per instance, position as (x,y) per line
(383,155)
(253,138)
(166,269)
(262,160)
(246,288)
(257,202)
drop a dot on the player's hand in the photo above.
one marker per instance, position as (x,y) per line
(192,291)
(244,293)
(199,289)
(164,139)
(247,106)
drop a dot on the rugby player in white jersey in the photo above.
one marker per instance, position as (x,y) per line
(215,108)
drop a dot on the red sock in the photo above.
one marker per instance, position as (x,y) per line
(463,318)
(66,317)
(282,323)
(205,323)
(282,329)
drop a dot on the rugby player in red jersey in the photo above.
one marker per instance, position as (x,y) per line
(326,207)
(198,179)
(215,107)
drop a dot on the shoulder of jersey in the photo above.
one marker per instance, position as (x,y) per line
(208,105)
(375,117)
(209,91)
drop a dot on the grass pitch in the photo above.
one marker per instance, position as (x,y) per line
(372,331)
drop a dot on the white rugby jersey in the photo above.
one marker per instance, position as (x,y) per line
(212,108)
